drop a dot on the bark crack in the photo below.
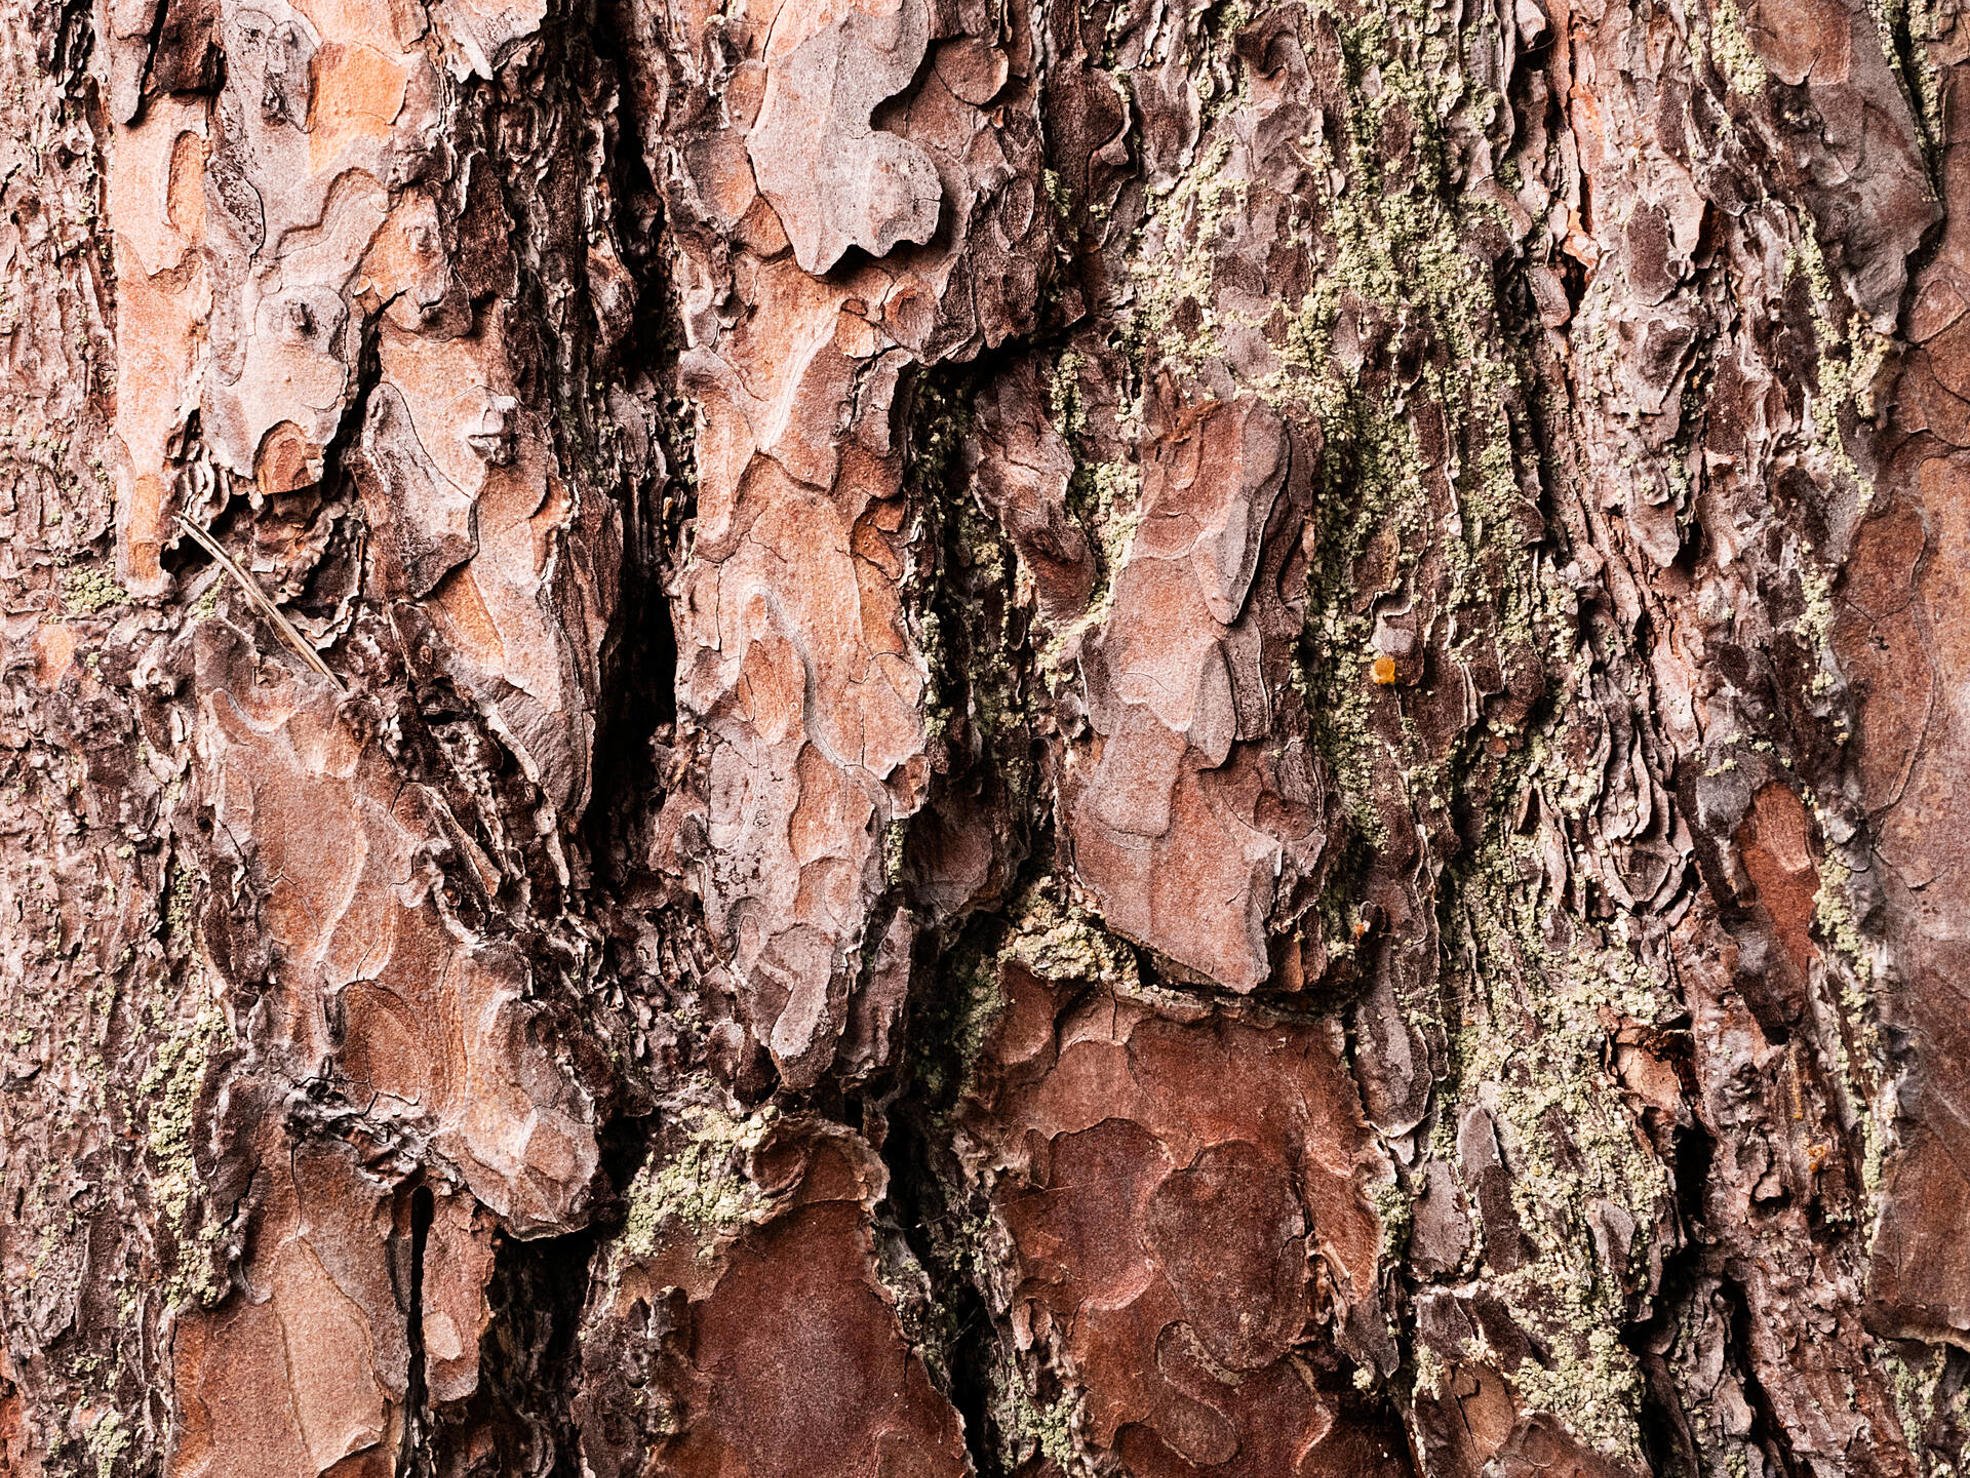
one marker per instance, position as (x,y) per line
(412,1459)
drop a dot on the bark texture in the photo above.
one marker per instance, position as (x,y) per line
(918,737)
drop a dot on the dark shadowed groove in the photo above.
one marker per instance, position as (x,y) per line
(1667,1439)
(1767,1430)
(639,655)
(917,1204)
(411,1457)
(530,1355)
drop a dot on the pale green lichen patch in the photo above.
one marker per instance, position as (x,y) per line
(1731,49)
(1109,495)
(1030,1425)
(1373,485)
(1853,967)
(1543,988)
(1925,1404)
(1429,1373)
(1395,1209)
(1908,30)
(1107,498)
(1421,505)
(1070,415)
(968,1018)
(702,1181)
(181,897)
(1833,912)
(1051,939)
(1849,362)
(967,618)
(167,1100)
(1059,942)
(1396,249)
(1815,624)
(170,1087)
(88,590)
(1176,312)
(1058,195)
(108,1439)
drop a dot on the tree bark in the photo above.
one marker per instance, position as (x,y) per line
(914,737)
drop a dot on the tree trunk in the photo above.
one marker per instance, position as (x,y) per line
(906,737)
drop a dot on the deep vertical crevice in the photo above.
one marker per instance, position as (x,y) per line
(1767,1428)
(918,1205)
(1668,1441)
(530,1353)
(637,711)
(638,706)
(411,1456)
(527,1356)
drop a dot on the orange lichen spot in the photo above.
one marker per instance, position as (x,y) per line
(1381,671)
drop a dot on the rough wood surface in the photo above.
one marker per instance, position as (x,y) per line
(911,737)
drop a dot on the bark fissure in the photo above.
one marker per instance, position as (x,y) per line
(412,1461)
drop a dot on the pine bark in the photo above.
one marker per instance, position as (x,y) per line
(913,737)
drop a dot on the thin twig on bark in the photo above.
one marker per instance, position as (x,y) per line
(289,633)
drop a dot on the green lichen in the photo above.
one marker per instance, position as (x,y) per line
(895,839)
(701,1182)
(167,1100)
(983,674)
(1848,363)
(1429,1373)
(1058,195)
(181,898)
(963,1021)
(108,1439)
(170,1087)
(1110,494)
(1056,941)
(1833,912)
(1730,48)
(1107,499)
(1049,938)
(88,590)
(1589,1379)
(1374,486)
(1395,1209)
(1852,956)
(1176,317)
(1397,258)
(1916,1384)
(1815,624)
(1070,416)
(1030,1424)
(1396,249)
(1866,1072)
(1543,986)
